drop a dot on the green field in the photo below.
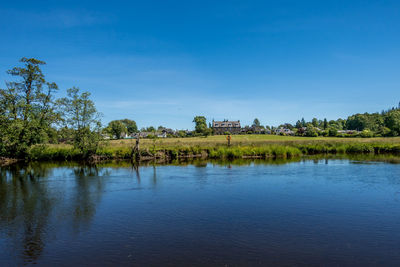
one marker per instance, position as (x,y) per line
(249,140)
(215,147)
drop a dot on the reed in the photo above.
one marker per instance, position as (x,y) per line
(217,151)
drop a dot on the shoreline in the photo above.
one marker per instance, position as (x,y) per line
(7,161)
(217,151)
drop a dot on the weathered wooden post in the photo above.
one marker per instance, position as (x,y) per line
(135,154)
(229,140)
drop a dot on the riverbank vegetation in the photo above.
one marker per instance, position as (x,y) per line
(215,147)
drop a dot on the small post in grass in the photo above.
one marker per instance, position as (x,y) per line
(229,137)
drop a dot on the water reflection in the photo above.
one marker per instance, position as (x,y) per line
(29,203)
(89,188)
(22,194)
(41,201)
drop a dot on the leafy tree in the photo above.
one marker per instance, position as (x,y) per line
(201,124)
(314,122)
(286,126)
(65,135)
(148,129)
(116,128)
(130,125)
(392,121)
(325,124)
(303,122)
(384,131)
(207,132)
(256,123)
(365,121)
(311,131)
(27,110)
(366,133)
(332,131)
(182,133)
(80,114)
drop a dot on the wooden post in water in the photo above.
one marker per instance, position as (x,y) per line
(135,154)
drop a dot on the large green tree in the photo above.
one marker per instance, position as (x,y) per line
(27,110)
(116,128)
(80,114)
(201,126)
(392,121)
(130,125)
(314,122)
(200,123)
(256,123)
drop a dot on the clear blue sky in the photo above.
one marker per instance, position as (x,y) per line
(163,62)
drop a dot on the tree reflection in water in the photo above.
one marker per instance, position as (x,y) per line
(40,200)
(25,205)
(29,208)
(89,188)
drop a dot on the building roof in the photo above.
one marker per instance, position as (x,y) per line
(226,123)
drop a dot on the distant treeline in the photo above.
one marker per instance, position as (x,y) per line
(386,123)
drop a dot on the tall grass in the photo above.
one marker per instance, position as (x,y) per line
(273,151)
(216,149)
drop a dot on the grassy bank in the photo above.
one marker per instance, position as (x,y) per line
(247,146)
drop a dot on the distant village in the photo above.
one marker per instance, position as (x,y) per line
(227,127)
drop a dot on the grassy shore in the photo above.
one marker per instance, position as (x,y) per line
(215,147)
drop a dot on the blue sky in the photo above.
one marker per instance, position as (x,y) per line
(164,62)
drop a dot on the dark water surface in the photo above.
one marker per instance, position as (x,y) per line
(309,212)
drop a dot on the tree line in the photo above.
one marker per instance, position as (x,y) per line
(383,124)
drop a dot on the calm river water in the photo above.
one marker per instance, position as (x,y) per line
(305,212)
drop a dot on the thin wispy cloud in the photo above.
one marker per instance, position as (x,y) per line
(55,18)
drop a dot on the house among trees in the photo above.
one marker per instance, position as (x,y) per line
(159,134)
(222,127)
(348,132)
(284,131)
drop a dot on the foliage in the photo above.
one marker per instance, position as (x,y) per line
(332,131)
(314,122)
(366,133)
(207,132)
(116,128)
(80,114)
(201,126)
(256,123)
(130,125)
(364,121)
(325,125)
(27,110)
(148,129)
(392,121)
(386,123)
(311,131)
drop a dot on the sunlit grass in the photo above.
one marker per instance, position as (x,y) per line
(242,146)
(248,140)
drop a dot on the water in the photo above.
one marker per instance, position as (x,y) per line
(305,212)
